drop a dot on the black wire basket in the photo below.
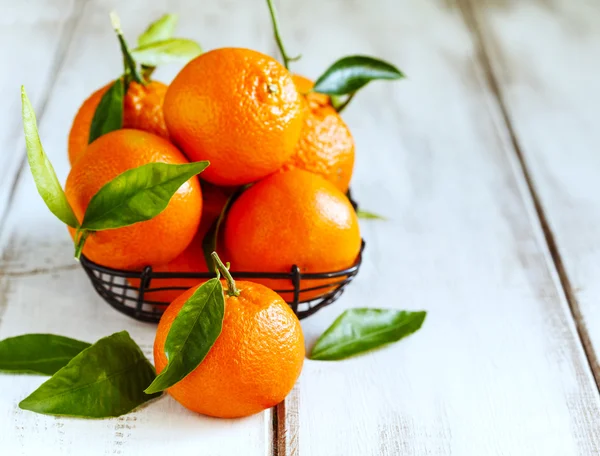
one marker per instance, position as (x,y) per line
(114,285)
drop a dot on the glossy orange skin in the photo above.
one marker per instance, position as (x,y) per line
(326,146)
(237,108)
(254,362)
(292,217)
(192,258)
(142,111)
(155,241)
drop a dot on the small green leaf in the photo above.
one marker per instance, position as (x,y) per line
(109,112)
(359,330)
(210,240)
(159,30)
(129,64)
(43,173)
(349,74)
(104,380)
(369,215)
(167,51)
(193,332)
(38,353)
(137,195)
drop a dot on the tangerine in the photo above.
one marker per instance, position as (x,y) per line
(155,241)
(254,362)
(292,218)
(237,108)
(142,110)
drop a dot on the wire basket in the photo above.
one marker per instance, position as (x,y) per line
(114,287)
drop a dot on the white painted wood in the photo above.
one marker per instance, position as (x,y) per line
(43,290)
(497,368)
(546,58)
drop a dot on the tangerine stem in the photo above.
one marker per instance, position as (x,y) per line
(286,58)
(231,288)
(128,62)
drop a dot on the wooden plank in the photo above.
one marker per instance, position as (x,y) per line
(498,368)
(545,57)
(34,40)
(43,290)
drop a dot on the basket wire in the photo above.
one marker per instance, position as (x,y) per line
(113,286)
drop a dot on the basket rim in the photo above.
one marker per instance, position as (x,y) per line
(295,272)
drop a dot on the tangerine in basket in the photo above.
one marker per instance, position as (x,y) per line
(292,217)
(237,108)
(155,241)
(326,146)
(254,362)
(142,110)
(192,258)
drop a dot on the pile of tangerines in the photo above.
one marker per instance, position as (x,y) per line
(280,163)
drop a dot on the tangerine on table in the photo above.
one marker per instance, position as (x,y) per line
(155,241)
(254,362)
(142,111)
(292,217)
(237,108)
(326,146)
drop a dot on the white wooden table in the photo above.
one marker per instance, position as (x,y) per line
(486,160)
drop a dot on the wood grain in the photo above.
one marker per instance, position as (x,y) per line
(541,56)
(497,368)
(42,289)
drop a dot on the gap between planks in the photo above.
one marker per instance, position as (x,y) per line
(473,25)
(67,32)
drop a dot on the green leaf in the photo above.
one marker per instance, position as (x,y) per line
(43,173)
(193,332)
(38,353)
(109,112)
(129,64)
(369,215)
(104,380)
(349,74)
(137,195)
(159,30)
(210,240)
(359,330)
(167,51)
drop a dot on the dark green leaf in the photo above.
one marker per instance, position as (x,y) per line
(192,334)
(137,194)
(369,215)
(38,353)
(109,112)
(129,64)
(159,30)
(210,240)
(349,74)
(43,173)
(167,51)
(359,330)
(104,380)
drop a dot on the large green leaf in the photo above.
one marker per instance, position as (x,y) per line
(43,173)
(359,330)
(137,194)
(166,51)
(192,334)
(104,380)
(159,30)
(109,112)
(349,74)
(38,353)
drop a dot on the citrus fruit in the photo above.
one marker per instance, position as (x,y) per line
(326,146)
(292,217)
(192,258)
(252,365)
(155,241)
(142,111)
(237,108)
